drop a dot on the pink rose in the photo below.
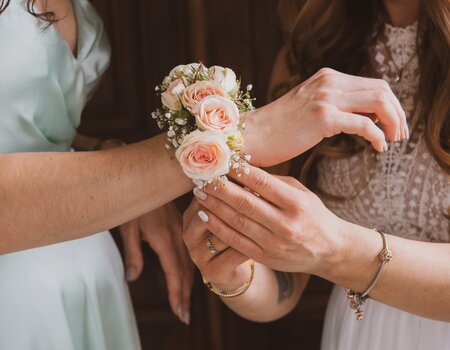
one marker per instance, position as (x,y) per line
(171,98)
(204,155)
(199,90)
(216,113)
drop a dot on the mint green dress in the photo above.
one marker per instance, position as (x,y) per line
(72,295)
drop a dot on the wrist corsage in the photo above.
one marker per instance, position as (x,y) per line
(202,112)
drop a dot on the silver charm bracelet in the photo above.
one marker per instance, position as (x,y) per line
(358,299)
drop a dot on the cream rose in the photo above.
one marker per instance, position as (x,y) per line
(187,69)
(216,113)
(171,98)
(204,155)
(198,91)
(177,70)
(223,76)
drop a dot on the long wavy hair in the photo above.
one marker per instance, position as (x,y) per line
(47,16)
(340,34)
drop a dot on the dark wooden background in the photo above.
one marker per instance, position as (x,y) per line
(148,38)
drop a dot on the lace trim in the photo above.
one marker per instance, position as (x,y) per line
(408,193)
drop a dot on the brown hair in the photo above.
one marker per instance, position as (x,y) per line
(47,16)
(339,34)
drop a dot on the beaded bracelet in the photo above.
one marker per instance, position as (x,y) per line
(237,292)
(358,299)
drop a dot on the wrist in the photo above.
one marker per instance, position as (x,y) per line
(253,133)
(240,276)
(354,260)
(335,248)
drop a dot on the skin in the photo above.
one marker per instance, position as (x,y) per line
(126,183)
(178,269)
(161,229)
(286,227)
(63,199)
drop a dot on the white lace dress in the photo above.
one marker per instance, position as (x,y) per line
(406,194)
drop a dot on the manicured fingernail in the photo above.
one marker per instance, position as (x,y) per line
(200,194)
(398,136)
(180,313)
(203,216)
(385,146)
(187,318)
(407,131)
(131,272)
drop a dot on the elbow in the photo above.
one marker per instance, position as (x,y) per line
(268,316)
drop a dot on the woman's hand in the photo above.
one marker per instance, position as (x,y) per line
(271,295)
(225,268)
(327,104)
(162,230)
(285,226)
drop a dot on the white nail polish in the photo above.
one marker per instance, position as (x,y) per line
(203,216)
(200,194)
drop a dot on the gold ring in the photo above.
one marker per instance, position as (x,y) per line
(210,246)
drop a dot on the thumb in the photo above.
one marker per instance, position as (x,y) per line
(134,261)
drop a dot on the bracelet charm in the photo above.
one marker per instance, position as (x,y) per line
(356,299)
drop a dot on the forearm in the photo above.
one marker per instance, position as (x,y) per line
(417,279)
(53,197)
(271,295)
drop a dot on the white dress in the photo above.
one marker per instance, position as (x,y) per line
(406,194)
(71,295)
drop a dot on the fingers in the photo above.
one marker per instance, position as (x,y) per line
(196,235)
(172,267)
(240,222)
(190,213)
(218,245)
(134,261)
(229,235)
(374,94)
(241,200)
(218,268)
(259,181)
(382,91)
(221,269)
(354,124)
(166,243)
(188,279)
(378,102)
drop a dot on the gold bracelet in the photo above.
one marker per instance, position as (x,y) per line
(358,299)
(237,292)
